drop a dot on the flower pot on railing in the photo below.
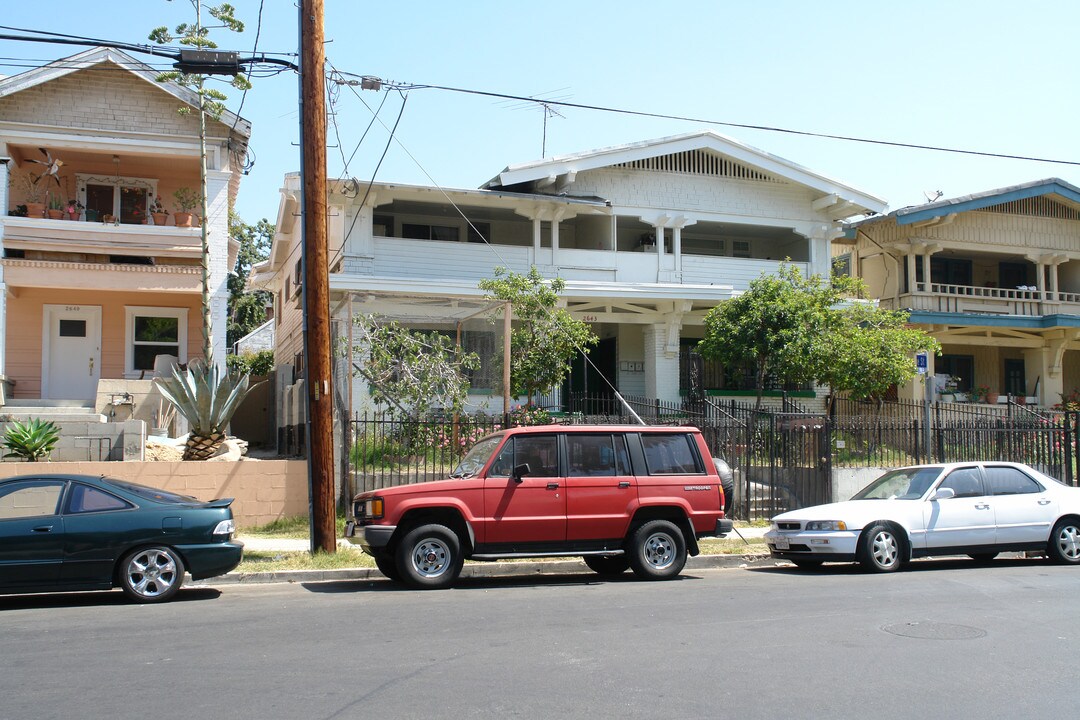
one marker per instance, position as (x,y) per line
(35,209)
(184,219)
(55,214)
(992,398)
(91,215)
(160,218)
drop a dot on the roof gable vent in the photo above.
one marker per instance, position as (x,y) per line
(696,162)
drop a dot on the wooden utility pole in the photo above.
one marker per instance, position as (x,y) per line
(316,288)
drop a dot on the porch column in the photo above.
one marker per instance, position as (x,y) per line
(676,246)
(662,361)
(1042,366)
(536,223)
(926,271)
(217,226)
(4,160)
(912,285)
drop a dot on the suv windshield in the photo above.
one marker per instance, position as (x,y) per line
(477,457)
(905,484)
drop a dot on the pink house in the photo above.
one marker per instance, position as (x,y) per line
(103,287)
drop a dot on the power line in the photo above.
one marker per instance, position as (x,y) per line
(725,123)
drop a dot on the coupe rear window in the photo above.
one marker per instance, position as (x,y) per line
(162,496)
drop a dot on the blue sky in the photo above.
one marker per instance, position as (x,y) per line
(989,76)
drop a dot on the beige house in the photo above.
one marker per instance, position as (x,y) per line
(994,276)
(97,290)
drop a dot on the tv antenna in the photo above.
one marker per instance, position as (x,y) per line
(543,102)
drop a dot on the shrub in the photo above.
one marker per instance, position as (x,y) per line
(31,441)
(251,363)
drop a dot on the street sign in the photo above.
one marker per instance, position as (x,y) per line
(922,363)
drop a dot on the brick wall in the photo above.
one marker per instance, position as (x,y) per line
(265,490)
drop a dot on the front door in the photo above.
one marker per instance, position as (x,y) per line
(966,520)
(71,353)
(529,510)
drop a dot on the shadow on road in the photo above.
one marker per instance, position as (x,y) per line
(920,565)
(104,598)
(484,583)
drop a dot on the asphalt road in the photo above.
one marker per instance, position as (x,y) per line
(944,639)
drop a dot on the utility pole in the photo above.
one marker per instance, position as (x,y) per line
(316,289)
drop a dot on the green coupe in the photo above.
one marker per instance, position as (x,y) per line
(77,532)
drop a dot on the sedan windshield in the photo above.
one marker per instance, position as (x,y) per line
(905,484)
(477,457)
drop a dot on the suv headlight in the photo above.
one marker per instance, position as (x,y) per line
(368,509)
(826,525)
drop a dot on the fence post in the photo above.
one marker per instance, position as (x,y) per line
(940,433)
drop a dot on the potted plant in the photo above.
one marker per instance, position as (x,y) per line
(947,388)
(33,193)
(186,201)
(56,207)
(73,209)
(158,212)
(979,394)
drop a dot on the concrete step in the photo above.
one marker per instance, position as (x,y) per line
(58,411)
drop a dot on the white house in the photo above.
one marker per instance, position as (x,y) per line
(648,236)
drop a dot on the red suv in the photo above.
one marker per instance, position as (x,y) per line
(620,496)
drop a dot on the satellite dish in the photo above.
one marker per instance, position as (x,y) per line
(932,195)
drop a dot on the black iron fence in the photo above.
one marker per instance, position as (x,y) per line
(783,460)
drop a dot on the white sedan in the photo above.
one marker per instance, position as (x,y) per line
(975,509)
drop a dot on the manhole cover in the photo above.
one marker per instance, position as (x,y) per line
(935,631)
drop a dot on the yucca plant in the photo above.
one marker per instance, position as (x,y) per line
(33,440)
(206,397)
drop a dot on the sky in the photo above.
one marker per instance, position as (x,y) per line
(987,76)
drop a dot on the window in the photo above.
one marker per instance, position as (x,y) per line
(965,482)
(86,499)
(382,226)
(478,232)
(29,498)
(414,231)
(539,452)
(841,266)
(1010,481)
(597,455)
(740,248)
(72,328)
(959,366)
(669,454)
(151,332)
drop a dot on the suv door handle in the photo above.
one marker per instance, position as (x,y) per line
(43,529)
(624,484)
(553,486)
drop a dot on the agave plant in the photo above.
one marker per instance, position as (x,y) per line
(33,440)
(206,397)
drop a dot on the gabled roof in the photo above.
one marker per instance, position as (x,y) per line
(978,201)
(705,140)
(95,56)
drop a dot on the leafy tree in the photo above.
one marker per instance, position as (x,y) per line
(258,363)
(247,310)
(545,338)
(813,330)
(411,369)
(872,349)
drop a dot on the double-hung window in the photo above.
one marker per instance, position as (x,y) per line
(153,331)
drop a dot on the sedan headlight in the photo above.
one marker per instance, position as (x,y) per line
(226,528)
(826,525)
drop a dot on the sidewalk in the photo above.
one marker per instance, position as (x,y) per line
(471,569)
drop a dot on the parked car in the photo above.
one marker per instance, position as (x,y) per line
(77,532)
(622,497)
(977,509)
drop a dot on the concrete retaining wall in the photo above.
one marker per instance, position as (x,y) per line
(265,490)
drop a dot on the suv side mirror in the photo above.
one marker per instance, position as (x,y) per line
(519,470)
(943,494)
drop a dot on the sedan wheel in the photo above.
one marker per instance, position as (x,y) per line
(1064,545)
(881,549)
(152,574)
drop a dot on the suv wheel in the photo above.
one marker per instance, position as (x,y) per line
(387,566)
(610,565)
(429,557)
(657,550)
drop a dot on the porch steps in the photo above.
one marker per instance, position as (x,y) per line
(53,410)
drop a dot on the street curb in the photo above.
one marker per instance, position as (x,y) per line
(472,570)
